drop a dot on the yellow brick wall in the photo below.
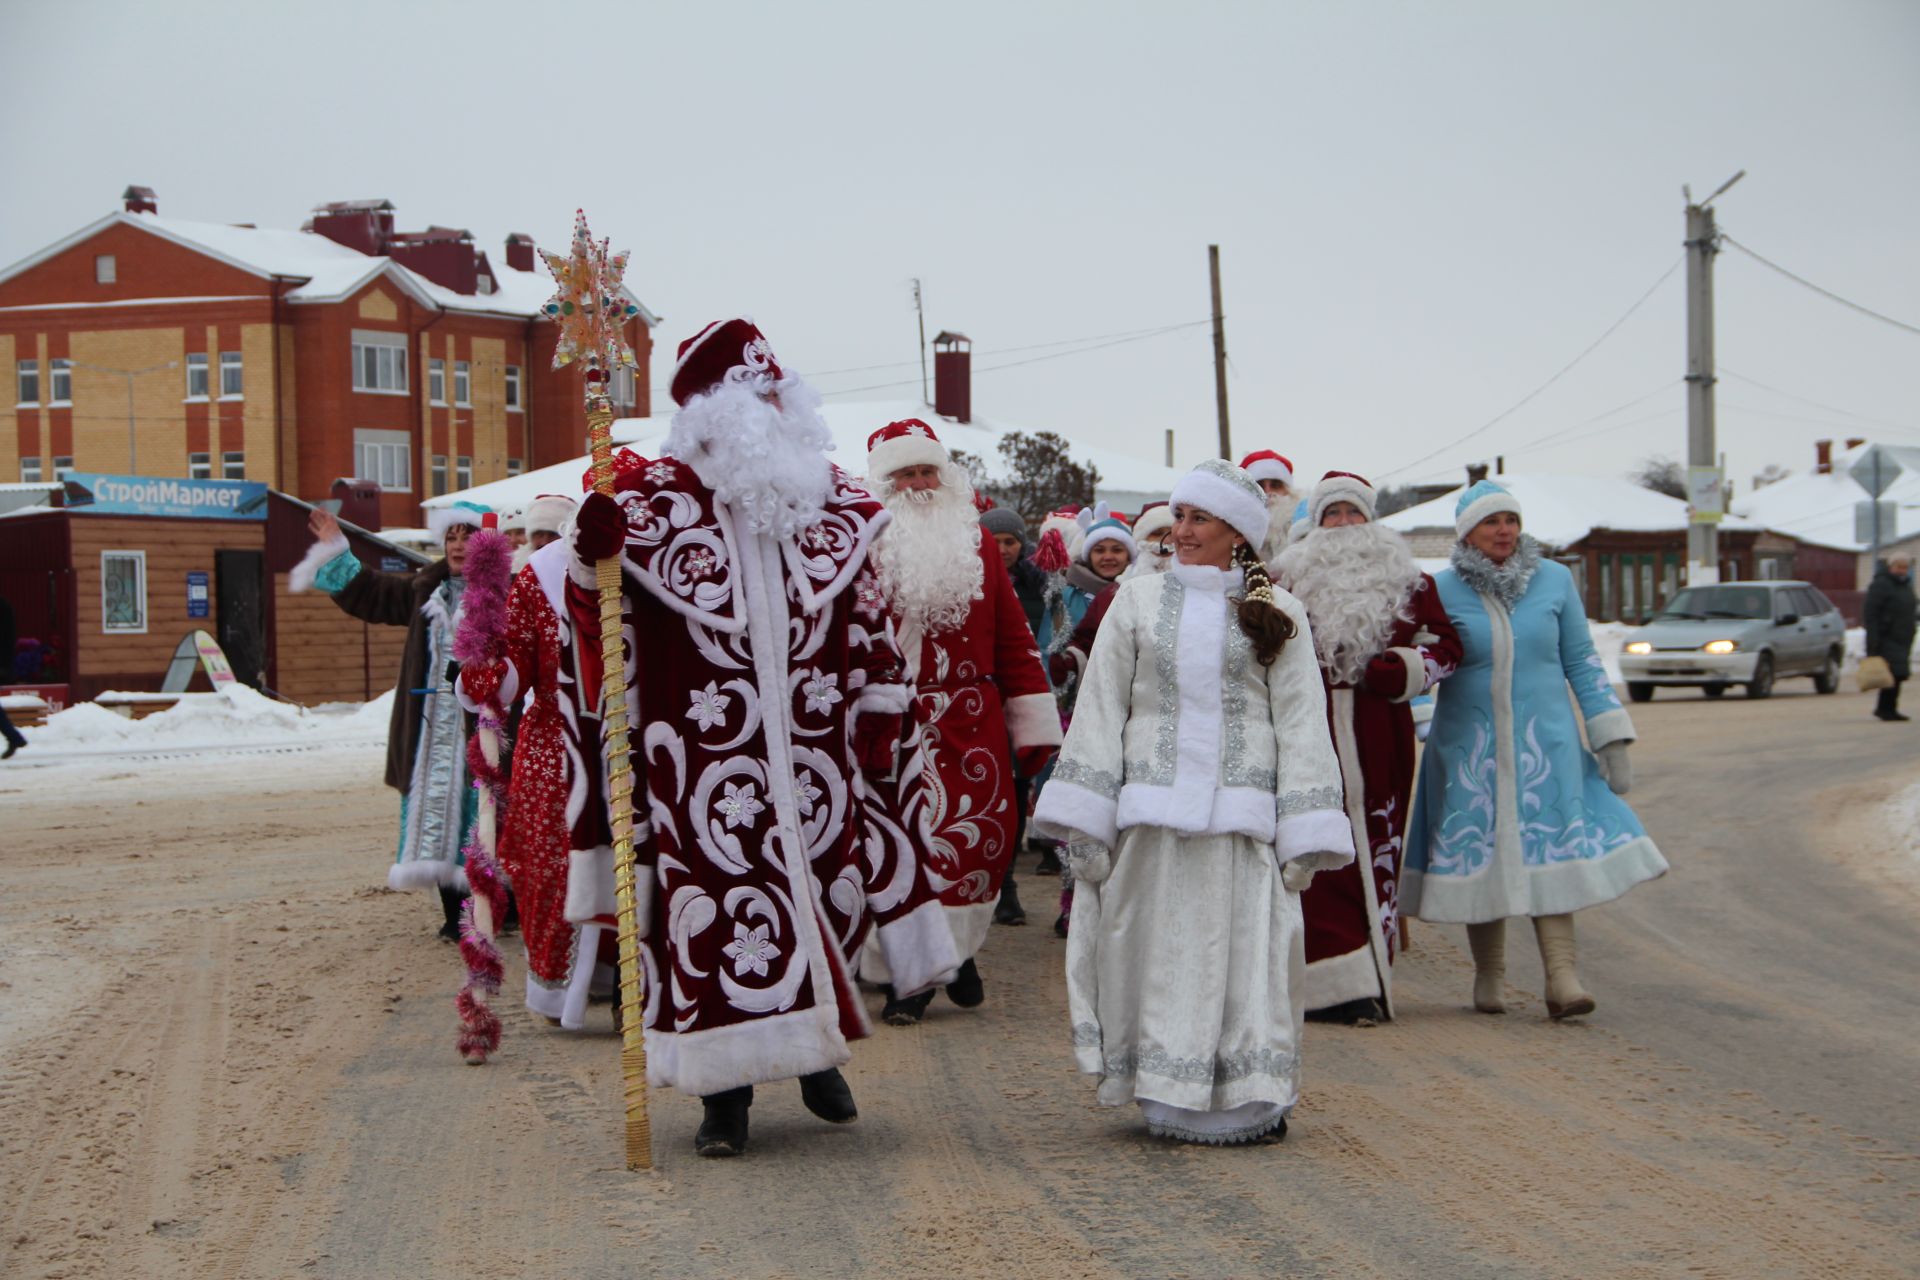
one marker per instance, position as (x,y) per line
(100,401)
(377,305)
(489,409)
(256,349)
(286,475)
(9,420)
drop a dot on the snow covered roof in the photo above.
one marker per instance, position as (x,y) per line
(1819,508)
(1560,510)
(329,271)
(1126,482)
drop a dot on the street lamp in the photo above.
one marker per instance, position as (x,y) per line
(133,449)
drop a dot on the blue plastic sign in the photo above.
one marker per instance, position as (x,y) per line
(108,495)
(198,596)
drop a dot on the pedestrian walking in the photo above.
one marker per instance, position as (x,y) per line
(8,638)
(1197,792)
(1515,817)
(1888,619)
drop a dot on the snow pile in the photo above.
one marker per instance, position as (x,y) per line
(237,716)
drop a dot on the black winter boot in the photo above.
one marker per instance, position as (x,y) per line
(966,989)
(827,1096)
(1008,909)
(907,1012)
(724,1131)
(450,900)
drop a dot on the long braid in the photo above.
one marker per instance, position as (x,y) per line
(1266,624)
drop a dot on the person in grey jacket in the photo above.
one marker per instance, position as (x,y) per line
(1889,618)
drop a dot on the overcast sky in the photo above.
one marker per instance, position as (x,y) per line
(1424,210)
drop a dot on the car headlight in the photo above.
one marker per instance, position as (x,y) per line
(1722,646)
(1639,646)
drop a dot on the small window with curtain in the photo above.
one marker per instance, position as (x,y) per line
(380,362)
(436,382)
(463,472)
(105,269)
(60,373)
(513,388)
(199,466)
(197,375)
(26,381)
(462,383)
(62,467)
(30,470)
(438,476)
(233,465)
(123,592)
(232,383)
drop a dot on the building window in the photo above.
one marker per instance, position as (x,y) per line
(60,374)
(27,382)
(231,382)
(30,470)
(515,466)
(513,387)
(197,375)
(105,269)
(199,466)
(384,458)
(379,362)
(463,472)
(233,465)
(437,486)
(123,591)
(436,381)
(62,468)
(462,383)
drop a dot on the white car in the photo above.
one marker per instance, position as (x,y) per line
(1747,633)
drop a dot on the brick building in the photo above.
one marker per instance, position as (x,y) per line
(154,346)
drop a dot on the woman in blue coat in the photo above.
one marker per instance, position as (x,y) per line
(1516,816)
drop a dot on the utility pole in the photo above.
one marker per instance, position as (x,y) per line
(1219,354)
(1705,497)
(920,308)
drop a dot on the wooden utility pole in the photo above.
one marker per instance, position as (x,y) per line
(921,310)
(1703,478)
(1219,354)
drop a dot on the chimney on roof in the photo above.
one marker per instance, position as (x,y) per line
(443,255)
(953,376)
(365,225)
(1854,442)
(140,200)
(1476,472)
(520,251)
(1823,457)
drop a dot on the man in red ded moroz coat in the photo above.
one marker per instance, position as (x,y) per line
(769,705)
(982,695)
(1383,639)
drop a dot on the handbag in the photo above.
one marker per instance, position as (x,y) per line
(1874,673)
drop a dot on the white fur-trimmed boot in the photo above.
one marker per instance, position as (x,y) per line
(1488,943)
(1566,998)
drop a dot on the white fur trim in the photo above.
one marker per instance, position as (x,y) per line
(778,1047)
(1610,727)
(1069,811)
(1416,664)
(590,887)
(548,514)
(1325,835)
(440,519)
(1480,508)
(1341,489)
(1109,533)
(886,699)
(1270,469)
(1222,498)
(1338,979)
(427,873)
(1034,720)
(1158,520)
(301,576)
(911,450)
(912,953)
(1229,811)
(509,691)
(969,925)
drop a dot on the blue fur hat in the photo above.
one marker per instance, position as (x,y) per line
(1480,501)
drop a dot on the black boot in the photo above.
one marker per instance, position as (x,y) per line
(1008,910)
(450,900)
(898,1012)
(827,1096)
(1049,860)
(724,1131)
(1364,1012)
(966,990)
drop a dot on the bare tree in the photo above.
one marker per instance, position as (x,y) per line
(1041,476)
(976,468)
(1395,497)
(1772,473)
(1662,475)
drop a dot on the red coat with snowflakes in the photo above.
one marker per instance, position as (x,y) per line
(977,686)
(751,661)
(1352,915)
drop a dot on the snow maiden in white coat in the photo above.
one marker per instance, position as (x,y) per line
(1515,817)
(1198,792)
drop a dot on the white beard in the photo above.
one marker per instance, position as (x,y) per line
(1279,519)
(1356,582)
(929,556)
(1148,559)
(766,462)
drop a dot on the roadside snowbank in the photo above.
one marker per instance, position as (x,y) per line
(234,717)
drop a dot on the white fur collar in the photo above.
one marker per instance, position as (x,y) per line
(1204,577)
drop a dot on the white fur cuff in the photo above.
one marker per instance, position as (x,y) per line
(1610,727)
(885,699)
(1324,832)
(301,576)
(1416,665)
(590,893)
(1034,720)
(1068,811)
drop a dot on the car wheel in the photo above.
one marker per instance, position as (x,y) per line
(1761,686)
(1827,678)
(1714,690)
(1640,691)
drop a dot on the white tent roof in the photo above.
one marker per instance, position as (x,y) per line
(1127,482)
(1819,508)
(1560,510)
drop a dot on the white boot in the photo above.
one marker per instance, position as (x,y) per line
(1566,998)
(1488,943)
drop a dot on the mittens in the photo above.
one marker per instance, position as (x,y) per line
(600,528)
(1296,876)
(1615,768)
(1088,861)
(480,681)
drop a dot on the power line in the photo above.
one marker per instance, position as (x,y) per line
(1557,436)
(1825,293)
(1831,408)
(1498,418)
(1801,417)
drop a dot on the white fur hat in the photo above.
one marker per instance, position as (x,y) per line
(471,514)
(1152,522)
(1341,486)
(906,443)
(548,513)
(1218,487)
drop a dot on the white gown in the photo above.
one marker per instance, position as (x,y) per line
(1204,773)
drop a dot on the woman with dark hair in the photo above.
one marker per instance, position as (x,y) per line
(1198,793)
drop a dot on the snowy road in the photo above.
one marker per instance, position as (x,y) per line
(222,1053)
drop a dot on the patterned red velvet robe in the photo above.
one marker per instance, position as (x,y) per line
(770,854)
(976,686)
(1352,914)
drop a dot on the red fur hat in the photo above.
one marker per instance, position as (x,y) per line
(712,355)
(906,443)
(1265,464)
